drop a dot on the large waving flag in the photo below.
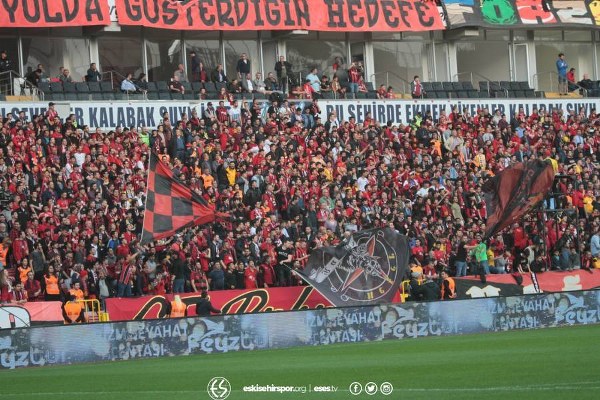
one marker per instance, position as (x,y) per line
(514,192)
(170,205)
(366,269)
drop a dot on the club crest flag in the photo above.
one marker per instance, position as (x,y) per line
(514,192)
(365,269)
(170,205)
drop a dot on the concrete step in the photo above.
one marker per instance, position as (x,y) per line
(557,95)
(21,98)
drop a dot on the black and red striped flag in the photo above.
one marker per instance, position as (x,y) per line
(514,192)
(170,205)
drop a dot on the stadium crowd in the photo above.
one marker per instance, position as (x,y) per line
(72,197)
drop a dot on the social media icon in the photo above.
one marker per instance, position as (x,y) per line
(218,388)
(355,388)
(371,388)
(386,388)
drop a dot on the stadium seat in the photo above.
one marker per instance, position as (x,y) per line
(212,95)
(2,97)
(44,87)
(189,96)
(431,95)
(437,86)
(103,96)
(82,87)
(259,96)
(370,86)
(94,87)
(462,94)
(196,87)
(361,95)
(484,95)
(473,94)
(427,87)
(69,96)
(187,86)
(448,86)
(176,96)
(56,87)
(529,93)
(151,87)
(442,95)
(524,86)
(69,87)
(467,86)
(152,95)
(56,97)
(372,95)
(162,86)
(106,87)
(218,86)
(327,95)
(83,96)
(210,87)
(456,86)
(164,96)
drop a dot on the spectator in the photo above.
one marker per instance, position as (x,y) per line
(571,80)
(218,76)
(175,85)
(141,82)
(248,84)
(561,68)
(284,70)
(127,85)
(354,76)
(314,81)
(243,66)
(93,75)
(195,67)
(479,252)
(65,75)
(180,74)
(416,88)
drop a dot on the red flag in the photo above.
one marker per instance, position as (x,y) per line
(514,192)
(170,205)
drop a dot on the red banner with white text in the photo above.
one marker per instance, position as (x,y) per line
(228,301)
(53,13)
(314,15)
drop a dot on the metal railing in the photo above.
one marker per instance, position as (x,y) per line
(484,78)
(553,78)
(13,84)
(403,82)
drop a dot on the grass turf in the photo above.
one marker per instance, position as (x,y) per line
(559,363)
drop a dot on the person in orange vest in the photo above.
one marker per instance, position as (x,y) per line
(448,290)
(4,246)
(52,289)
(73,311)
(178,308)
(76,291)
(24,269)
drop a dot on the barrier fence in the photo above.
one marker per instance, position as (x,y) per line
(173,337)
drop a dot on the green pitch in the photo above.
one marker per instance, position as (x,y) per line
(562,363)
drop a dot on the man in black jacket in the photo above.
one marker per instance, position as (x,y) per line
(283,70)
(204,307)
